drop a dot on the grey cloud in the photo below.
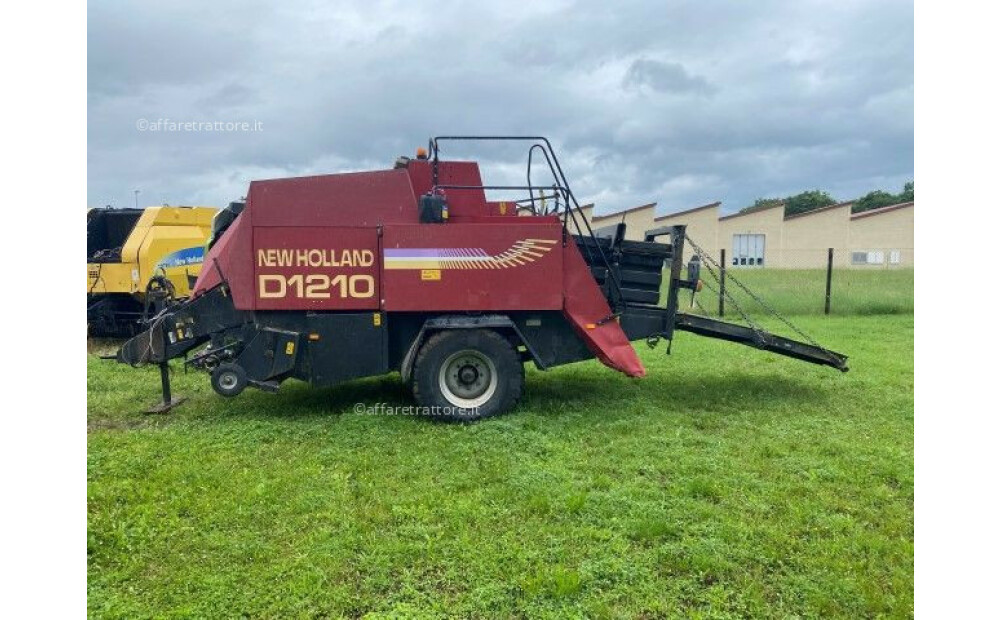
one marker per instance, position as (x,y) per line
(664,77)
(806,93)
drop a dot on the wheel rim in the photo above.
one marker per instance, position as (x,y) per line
(228,381)
(468,379)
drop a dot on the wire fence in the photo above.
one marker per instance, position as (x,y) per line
(804,282)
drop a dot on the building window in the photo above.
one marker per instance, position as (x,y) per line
(874,257)
(748,250)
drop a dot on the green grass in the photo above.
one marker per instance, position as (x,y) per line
(854,291)
(727,483)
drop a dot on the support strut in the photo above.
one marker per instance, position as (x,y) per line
(168,401)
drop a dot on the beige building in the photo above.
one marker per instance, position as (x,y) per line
(807,237)
(888,230)
(637,221)
(702,227)
(752,239)
(767,238)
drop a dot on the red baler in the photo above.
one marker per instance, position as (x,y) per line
(335,277)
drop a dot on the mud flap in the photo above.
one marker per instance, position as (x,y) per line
(588,312)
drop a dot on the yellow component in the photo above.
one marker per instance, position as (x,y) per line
(313,337)
(430,274)
(377,319)
(503,208)
(290,347)
(166,241)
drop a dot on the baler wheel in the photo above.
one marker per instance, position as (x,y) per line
(229,379)
(467,374)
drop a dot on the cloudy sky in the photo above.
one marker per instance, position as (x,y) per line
(678,102)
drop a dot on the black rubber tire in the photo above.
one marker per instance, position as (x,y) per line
(436,351)
(229,379)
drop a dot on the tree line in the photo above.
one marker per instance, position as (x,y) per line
(816,199)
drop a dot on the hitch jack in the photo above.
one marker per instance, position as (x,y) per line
(168,401)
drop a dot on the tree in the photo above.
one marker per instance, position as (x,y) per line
(874,200)
(817,199)
(907,195)
(878,199)
(799,203)
(808,201)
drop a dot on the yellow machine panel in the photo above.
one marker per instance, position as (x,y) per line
(126,248)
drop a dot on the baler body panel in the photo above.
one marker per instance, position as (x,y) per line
(315,268)
(231,260)
(473,267)
(348,199)
(461,202)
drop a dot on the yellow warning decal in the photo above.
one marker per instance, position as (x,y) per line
(377,319)
(430,274)
(290,347)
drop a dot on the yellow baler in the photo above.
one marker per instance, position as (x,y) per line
(127,248)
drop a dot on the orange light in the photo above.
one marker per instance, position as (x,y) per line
(591,325)
(314,337)
(421,153)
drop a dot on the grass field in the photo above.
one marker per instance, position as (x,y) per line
(856,291)
(728,483)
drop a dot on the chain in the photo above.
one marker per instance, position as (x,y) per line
(757,329)
(706,257)
(701,307)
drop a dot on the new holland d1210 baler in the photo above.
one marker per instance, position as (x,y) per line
(335,277)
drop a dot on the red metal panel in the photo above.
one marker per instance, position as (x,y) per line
(503,207)
(311,268)
(231,259)
(461,202)
(586,307)
(473,267)
(352,199)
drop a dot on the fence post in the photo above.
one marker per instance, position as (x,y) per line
(829,278)
(722,282)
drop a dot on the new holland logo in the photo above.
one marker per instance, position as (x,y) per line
(520,253)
